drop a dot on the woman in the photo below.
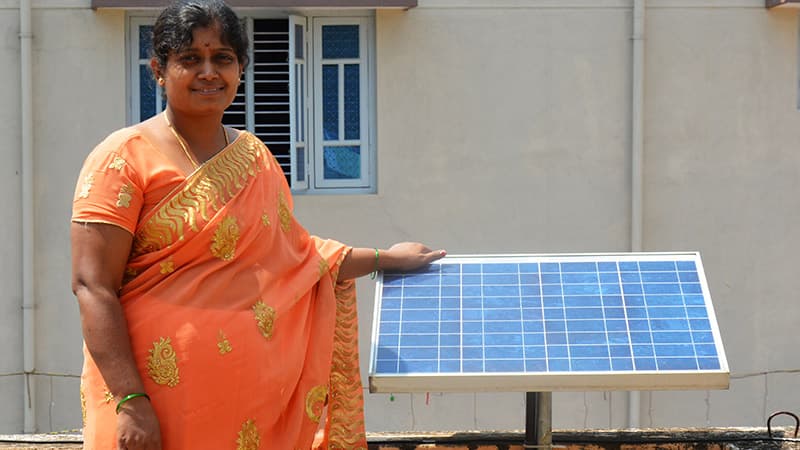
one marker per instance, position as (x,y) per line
(211,319)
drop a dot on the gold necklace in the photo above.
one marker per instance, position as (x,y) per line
(185,146)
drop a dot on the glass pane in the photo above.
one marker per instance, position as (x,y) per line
(298,42)
(302,120)
(352,101)
(339,41)
(300,163)
(342,163)
(297,101)
(145,41)
(330,102)
(147,93)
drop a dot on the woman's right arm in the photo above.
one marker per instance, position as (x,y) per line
(99,255)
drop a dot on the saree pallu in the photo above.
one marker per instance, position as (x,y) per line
(240,331)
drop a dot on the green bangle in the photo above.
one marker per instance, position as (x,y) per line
(375,270)
(131,397)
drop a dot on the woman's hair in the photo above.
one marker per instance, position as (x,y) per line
(173,29)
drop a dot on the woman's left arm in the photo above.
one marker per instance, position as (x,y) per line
(399,257)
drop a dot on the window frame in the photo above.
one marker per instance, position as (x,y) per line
(320,182)
(367,184)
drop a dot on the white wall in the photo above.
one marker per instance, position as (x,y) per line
(503,126)
(79,95)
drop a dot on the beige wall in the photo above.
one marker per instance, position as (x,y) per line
(503,126)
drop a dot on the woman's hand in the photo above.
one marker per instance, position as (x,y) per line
(399,257)
(406,256)
(137,426)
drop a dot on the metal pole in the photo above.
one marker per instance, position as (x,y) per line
(538,420)
(544,413)
(26,110)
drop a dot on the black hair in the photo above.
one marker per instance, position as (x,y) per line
(173,29)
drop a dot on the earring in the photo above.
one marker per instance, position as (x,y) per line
(160,81)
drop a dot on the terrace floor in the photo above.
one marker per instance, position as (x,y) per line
(650,439)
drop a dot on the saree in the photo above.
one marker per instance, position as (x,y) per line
(241,333)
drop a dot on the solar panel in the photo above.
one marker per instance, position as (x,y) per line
(632,321)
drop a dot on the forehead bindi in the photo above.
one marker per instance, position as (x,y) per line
(208,38)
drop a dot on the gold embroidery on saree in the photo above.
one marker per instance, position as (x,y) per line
(167,267)
(346,396)
(323,267)
(265,318)
(117,164)
(284,214)
(88,182)
(223,344)
(223,244)
(315,402)
(205,193)
(83,405)
(248,437)
(125,196)
(108,397)
(162,364)
(265,219)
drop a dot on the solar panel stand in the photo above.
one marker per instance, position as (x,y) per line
(538,420)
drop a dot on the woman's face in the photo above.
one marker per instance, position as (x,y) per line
(203,78)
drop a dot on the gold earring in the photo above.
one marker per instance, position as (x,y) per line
(160,81)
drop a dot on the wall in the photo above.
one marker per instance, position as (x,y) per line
(11,380)
(503,126)
(79,85)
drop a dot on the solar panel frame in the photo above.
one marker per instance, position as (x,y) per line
(553,380)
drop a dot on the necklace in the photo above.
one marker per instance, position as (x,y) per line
(185,146)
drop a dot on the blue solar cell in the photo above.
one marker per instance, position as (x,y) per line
(448,366)
(579,267)
(656,266)
(616,325)
(621,364)
(591,365)
(502,326)
(708,363)
(576,301)
(504,365)
(449,339)
(450,353)
(644,363)
(472,339)
(549,267)
(677,363)
(610,289)
(533,338)
(504,339)
(630,277)
(620,351)
(420,340)
(586,338)
(688,277)
(551,278)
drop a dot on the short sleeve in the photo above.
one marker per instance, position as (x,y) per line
(108,190)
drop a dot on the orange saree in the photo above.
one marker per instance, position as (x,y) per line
(239,328)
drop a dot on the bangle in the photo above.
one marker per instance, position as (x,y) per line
(131,397)
(375,269)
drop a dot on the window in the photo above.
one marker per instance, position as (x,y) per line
(307,93)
